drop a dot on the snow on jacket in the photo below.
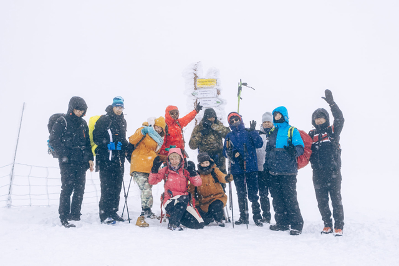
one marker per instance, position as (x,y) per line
(326,151)
(278,160)
(174,135)
(176,182)
(210,190)
(237,138)
(144,154)
(69,135)
(261,152)
(117,125)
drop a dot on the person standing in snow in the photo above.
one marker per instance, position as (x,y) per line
(176,198)
(326,164)
(174,129)
(110,136)
(208,136)
(263,174)
(282,165)
(69,137)
(147,141)
(210,197)
(240,148)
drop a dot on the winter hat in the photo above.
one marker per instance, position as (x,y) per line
(118,101)
(160,121)
(233,114)
(203,157)
(209,113)
(267,117)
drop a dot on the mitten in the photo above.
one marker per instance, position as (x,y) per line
(198,108)
(228,178)
(144,131)
(290,149)
(111,146)
(191,168)
(119,146)
(329,97)
(156,164)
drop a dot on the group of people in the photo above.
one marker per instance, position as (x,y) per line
(259,162)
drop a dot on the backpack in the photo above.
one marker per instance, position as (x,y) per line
(50,125)
(302,160)
(92,125)
(130,148)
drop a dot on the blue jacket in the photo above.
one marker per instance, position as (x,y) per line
(278,160)
(237,138)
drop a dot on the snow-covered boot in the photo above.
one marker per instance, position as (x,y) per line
(327,230)
(65,223)
(221,223)
(109,220)
(241,221)
(174,228)
(117,218)
(277,227)
(295,232)
(258,222)
(141,222)
(149,214)
(338,232)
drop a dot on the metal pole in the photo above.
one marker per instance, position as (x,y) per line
(9,199)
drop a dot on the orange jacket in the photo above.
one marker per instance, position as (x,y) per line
(145,153)
(175,136)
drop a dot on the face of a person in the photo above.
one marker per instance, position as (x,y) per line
(118,110)
(277,116)
(320,121)
(174,159)
(212,119)
(78,113)
(205,164)
(234,121)
(267,124)
(174,114)
(158,129)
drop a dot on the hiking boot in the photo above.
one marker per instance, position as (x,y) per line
(277,227)
(258,222)
(65,223)
(149,214)
(295,232)
(221,224)
(241,221)
(109,220)
(265,220)
(117,218)
(141,222)
(338,232)
(174,228)
(327,230)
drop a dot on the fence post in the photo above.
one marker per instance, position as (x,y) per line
(9,199)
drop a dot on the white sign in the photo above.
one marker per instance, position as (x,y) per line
(210,102)
(205,93)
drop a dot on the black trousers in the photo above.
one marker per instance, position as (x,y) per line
(242,182)
(180,213)
(73,180)
(111,178)
(264,186)
(215,212)
(285,202)
(327,183)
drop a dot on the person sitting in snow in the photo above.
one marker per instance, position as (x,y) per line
(326,164)
(176,198)
(174,132)
(210,197)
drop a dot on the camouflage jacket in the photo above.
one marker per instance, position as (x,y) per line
(213,141)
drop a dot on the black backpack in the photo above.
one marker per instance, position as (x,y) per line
(50,125)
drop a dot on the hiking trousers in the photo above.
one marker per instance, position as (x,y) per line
(215,212)
(111,178)
(264,186)
(73,180)
(146,189)
(181,213)
(243,182)
(327,184)
(285,202)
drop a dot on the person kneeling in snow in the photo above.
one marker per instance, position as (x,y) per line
(210,198)
(176,198)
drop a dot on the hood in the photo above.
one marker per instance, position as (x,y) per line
(77,103)
(175,150)
(208,113)
(168,118)
(319,112)
(282,110)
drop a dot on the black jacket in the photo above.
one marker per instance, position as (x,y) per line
(326,150)
(69,135)
(117,125)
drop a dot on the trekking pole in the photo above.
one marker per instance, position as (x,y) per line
(240,84)
(245,184)
(126,195)
(231,203)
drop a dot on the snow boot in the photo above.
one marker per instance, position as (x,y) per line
(221,223)
(327,230)
(141,222)
(258,222)
(295,232)
(241,221)
(117,218)
(338,232)
(109,220)
(65,223)
(277,227)
(149,214)
(265,220)
(174,228)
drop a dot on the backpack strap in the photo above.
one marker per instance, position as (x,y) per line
(290,133)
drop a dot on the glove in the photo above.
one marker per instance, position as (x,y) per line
(191,168)
(144,131)
(111,146)
(252,125)
(329,97)
(228,178)
(205,131)
(156,164)
(119,146)
(198,108)
(290,149)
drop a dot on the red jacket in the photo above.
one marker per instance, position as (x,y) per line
(176,183)
(175,136)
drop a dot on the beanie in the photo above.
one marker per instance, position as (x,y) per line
(267,117)
(118,101)
(203,157)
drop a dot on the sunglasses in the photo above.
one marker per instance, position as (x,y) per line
(234,119)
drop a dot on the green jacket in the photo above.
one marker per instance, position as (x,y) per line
(211,142)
